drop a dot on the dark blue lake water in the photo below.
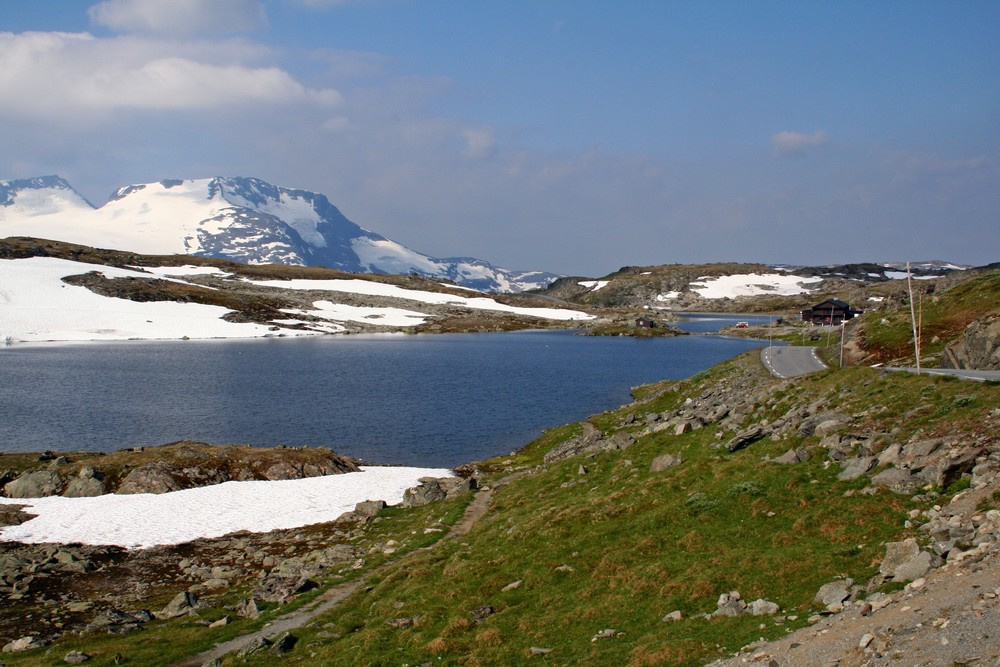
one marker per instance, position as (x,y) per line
(436,400)
(707,322)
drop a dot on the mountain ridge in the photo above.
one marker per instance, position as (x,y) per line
(243,219)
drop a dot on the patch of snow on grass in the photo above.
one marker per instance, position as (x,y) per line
(372,288)
(35,305)
(339,312)
(594,285)
(144,520)
(751,284)
(901,275)
(669,296)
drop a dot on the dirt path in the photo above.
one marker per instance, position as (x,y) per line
(337,594)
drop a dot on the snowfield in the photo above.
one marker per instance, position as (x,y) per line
(752,284)
(145,520)
(35,305)
(371,288)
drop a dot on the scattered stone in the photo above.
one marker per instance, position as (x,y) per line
(664,462)
(400,623)
(746,438)
(75,657)
(369,508)
(538,650)
(283,644)
(183,603)
(730,604)
(23,644)
(761,607)
(904,561)
(219,623)
(34,484)
(481,614)
(674,616)
(248,609)
(511,586)
(253,646)
(607,633)
(833,594)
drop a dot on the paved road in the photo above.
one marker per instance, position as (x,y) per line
(962,373)
(791,361)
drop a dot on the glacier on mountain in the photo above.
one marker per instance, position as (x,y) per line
(241,219)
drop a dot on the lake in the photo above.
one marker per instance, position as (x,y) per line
(430,400)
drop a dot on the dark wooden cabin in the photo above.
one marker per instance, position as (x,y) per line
(831,311)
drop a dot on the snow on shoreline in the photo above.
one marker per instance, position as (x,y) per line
(36,306)
(145,520)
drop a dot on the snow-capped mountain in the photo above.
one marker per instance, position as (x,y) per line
(242,219)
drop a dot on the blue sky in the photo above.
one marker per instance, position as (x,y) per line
(574,137)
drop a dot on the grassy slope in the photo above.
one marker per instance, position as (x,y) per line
(887,336)
(639,545)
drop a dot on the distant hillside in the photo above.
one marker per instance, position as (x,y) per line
(241,219)
(737,287)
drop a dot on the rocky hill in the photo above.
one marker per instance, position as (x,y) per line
(732,287)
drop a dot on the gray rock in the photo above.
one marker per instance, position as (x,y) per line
(34,484)
(23,644)
(898,480)
(856,467)
(253,646)
(369,508)
(427,492)
(283,644)
(904,561)
(84,487)
(762,607)
(730,604)
(664,462)
(746,438)
(833,594)
(154,477)
(675,615)
(183,603)
(76,657)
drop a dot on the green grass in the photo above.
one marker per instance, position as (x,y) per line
(888,336)
(620,547)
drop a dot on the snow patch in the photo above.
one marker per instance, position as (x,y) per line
(145,520)
(35,305)
(752,284)
(593,285)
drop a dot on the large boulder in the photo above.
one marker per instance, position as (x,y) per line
(34,484)
(904,561)
(979,347)
(87,484)
(427,492)
(155,477)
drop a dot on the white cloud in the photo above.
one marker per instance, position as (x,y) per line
(791,144)
(179,17)
(64,74)
(478,142)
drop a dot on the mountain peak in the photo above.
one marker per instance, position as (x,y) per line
(244,219)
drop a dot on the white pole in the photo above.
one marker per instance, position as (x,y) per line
(913,317)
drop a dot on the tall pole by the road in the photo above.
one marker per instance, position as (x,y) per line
(913,317)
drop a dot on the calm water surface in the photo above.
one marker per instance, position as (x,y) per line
(436,400)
